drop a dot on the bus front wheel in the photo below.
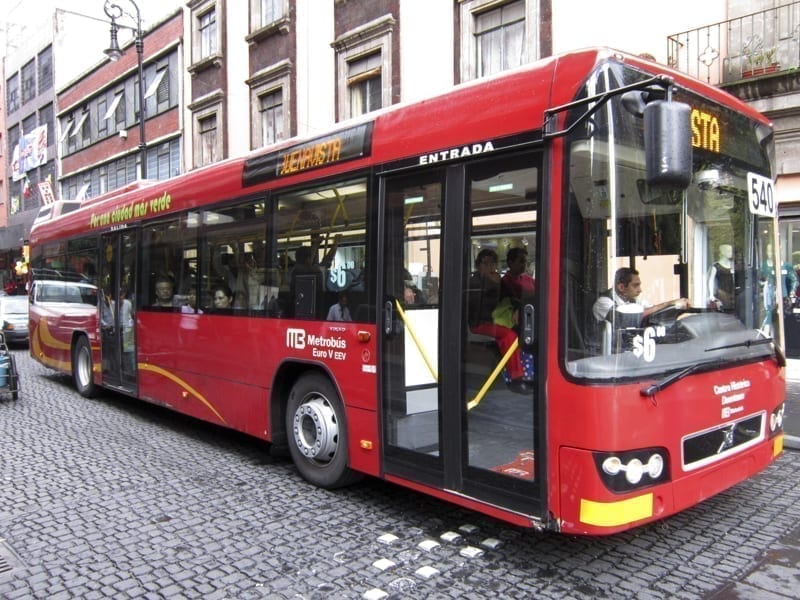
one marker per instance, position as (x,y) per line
(317,432)
(82,368)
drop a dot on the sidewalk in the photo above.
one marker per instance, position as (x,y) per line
(791,422)
(776,576)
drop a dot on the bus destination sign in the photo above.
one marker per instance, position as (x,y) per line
(723,131)
(348,144)
(706,133)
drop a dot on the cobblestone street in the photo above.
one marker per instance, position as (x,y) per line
(114,498)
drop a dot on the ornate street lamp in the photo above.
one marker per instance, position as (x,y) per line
(113,52)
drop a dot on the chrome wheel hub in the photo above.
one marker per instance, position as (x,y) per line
(316,430)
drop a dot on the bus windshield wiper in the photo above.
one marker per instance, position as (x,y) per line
(651,390)
(746,344)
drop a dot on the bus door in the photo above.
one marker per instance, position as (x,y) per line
(117,317)
(459,385)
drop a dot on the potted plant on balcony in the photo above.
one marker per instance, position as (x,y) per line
(761,63)
(771,64)
(748,66)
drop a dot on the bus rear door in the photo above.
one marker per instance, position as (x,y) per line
(117,281)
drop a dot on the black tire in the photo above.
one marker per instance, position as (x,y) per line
(83,369)
(317,433)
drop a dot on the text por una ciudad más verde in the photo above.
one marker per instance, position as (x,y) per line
(133,210)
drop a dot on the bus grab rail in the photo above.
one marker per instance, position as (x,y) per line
(493,375)
(413,335)
(486,384)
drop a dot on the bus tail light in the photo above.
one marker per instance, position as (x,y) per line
(625,471)
(776,419)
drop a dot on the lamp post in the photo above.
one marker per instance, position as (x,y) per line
(114,11)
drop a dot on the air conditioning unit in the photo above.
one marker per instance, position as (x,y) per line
(123,133)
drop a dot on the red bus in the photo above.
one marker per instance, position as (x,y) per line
(342,296)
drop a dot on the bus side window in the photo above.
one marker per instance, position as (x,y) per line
(165,248)
(233,255)
(318,242)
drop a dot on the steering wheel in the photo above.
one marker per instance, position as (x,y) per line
(665,316)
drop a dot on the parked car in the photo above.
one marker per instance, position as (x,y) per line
(14,318)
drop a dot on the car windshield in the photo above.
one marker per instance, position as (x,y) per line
(632,253)
(15,305)
(66,292)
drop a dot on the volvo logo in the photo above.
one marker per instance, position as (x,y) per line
(727,439)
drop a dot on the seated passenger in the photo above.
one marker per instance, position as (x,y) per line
(517,283)
(339,311)
(163,289)
(165,299)
(412,295)
(484,295)
(223,297)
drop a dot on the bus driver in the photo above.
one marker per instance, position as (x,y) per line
(626,293)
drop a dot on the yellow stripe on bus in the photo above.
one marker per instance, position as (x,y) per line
(611,514)
(183,384)
(38,349)
(43,331)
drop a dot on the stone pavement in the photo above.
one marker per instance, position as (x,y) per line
(112,498)
(776,575)
(792,421)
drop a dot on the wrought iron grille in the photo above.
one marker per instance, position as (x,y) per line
(753,45)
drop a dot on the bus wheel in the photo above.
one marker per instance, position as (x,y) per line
(82,371)
(317,432)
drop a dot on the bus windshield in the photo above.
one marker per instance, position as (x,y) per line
(660,280)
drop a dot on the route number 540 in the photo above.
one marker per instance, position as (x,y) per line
(761,195)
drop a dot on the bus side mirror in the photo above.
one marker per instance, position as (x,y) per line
(668,144)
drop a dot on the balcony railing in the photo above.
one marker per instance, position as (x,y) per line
(753,45)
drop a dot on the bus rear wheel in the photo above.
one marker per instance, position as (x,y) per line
(317,432)
(82,368)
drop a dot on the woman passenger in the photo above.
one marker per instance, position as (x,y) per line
(223,297)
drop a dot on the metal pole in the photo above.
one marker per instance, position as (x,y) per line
(140,59)
(114,12)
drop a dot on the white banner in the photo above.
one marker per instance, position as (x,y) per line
(29,153)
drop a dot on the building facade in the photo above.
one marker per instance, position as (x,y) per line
(98,117)
(267,70)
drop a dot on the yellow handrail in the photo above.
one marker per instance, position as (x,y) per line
(413,335)
(492,376)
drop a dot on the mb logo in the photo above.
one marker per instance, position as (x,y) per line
(296,338)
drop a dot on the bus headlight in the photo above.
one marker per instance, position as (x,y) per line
(776,419)
(634,471)
(612,465)
(655,466)
(625,471)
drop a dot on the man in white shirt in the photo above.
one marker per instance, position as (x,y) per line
(624,296)
(339,311)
